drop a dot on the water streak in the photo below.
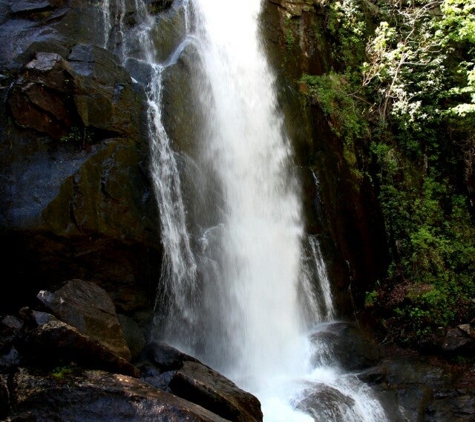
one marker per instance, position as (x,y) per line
(322,274)
(257,273)
(178,273)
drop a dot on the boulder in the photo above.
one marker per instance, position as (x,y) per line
(88,308)
(38,99)
(325,403)
(344,344)
(185,376)
(133,335)
(90,92)
(451,342)
(166,357)
(98,396)
(56,342)
(459,341)
(423,388)
(202,385)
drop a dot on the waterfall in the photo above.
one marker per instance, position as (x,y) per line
(238,276)
(261,232)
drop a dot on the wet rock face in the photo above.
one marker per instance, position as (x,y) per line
(100,396)
(202,385)
(75,197)
(343,344)
(88,308)
(69,365)
(325,403)
(423,388)
(38,98)
(343,207)
(89,94)
(187,377)
(57,342)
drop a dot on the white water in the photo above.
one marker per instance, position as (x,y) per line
(241,299)
(261,233)
(262,227)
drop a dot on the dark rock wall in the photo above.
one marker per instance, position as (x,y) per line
(75,194)
(342,210)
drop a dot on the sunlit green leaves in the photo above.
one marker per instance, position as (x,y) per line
(459,20)
(405,83)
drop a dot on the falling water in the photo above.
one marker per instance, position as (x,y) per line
(139,55)
(238,286)
(258,239)
(106,12)
(262,230)
(322,276)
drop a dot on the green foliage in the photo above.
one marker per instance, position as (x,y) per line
(344,114)
(456,30)
(333,93)
(289,35)
(370,299)
(74,135)
(458,20)
(78,135)
(407,86)
(422,93)
(346,23)
(62,372)
(405,67)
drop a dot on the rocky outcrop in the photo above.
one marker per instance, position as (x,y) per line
(202,385)
(69,366)
(423,388)
(54,341)
(99,396)
(344,344)
(76,204)
(76,199)
(87,97)
(342,208)
(90,310)
(185,376)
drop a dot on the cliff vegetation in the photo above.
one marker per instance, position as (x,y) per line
(400,94)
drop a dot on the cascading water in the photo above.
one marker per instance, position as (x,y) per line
(261,230)
(239,282)
(138,53)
